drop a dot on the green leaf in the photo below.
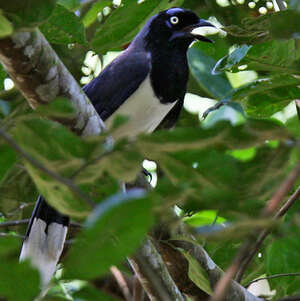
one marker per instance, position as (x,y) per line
(92,13)
(253,132)
(69,4)
(3,75)
(63,153)
(61,108)
(113,231)
(6,27)
(12,272)
(7,159)
(201,66)
(285,24)
(124,163)
(264,97)
(28,281)
(27,13)
(9,247)
(278,25)
(203,218)
(229,61)
(24,275)
(293,126)
(197,274)
(63,27)
(125,21)
(284,252)
(208,178)
(272,56)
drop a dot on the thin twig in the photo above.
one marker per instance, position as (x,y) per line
(242,259)
(49,172)
(288,204)
(143,279)
(93,161)
(262,236)
(4,234)
(121,282)
(14,223)
(274,203)
(272,277)
(26,221)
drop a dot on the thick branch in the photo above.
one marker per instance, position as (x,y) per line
(41,77)
(153,274)
(235,291)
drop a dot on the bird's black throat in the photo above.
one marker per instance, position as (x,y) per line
(169,72)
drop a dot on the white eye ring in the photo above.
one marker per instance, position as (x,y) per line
(174,20)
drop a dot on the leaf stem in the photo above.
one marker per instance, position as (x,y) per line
(272,277)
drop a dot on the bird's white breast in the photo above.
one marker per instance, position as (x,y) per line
(144,110)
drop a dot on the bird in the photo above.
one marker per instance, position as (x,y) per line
(147,83)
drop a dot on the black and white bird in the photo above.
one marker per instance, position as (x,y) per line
(147,83)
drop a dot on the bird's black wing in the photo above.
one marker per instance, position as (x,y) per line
(117,82)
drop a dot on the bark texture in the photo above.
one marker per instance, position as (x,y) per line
(41,77)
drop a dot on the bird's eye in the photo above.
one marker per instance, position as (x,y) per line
(174,20)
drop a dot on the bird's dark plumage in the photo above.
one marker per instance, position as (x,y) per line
(147,82)
(114,85)
(157,53)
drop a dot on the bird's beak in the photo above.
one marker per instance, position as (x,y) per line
(201,29)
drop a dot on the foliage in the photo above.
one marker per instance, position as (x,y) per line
(227,165)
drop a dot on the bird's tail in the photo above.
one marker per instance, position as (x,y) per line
(44,240)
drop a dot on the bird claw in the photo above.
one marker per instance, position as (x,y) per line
(147,174)
(214,108)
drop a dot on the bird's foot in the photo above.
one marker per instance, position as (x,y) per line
(147,174)
(217,106)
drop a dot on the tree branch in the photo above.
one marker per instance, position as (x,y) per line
(121,282)
(244,257)
(41,77)
(235,290)
(274,203)
(21,222)
(262,236)
(153,274)
(272,277)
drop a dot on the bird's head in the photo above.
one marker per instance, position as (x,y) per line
(175,26)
